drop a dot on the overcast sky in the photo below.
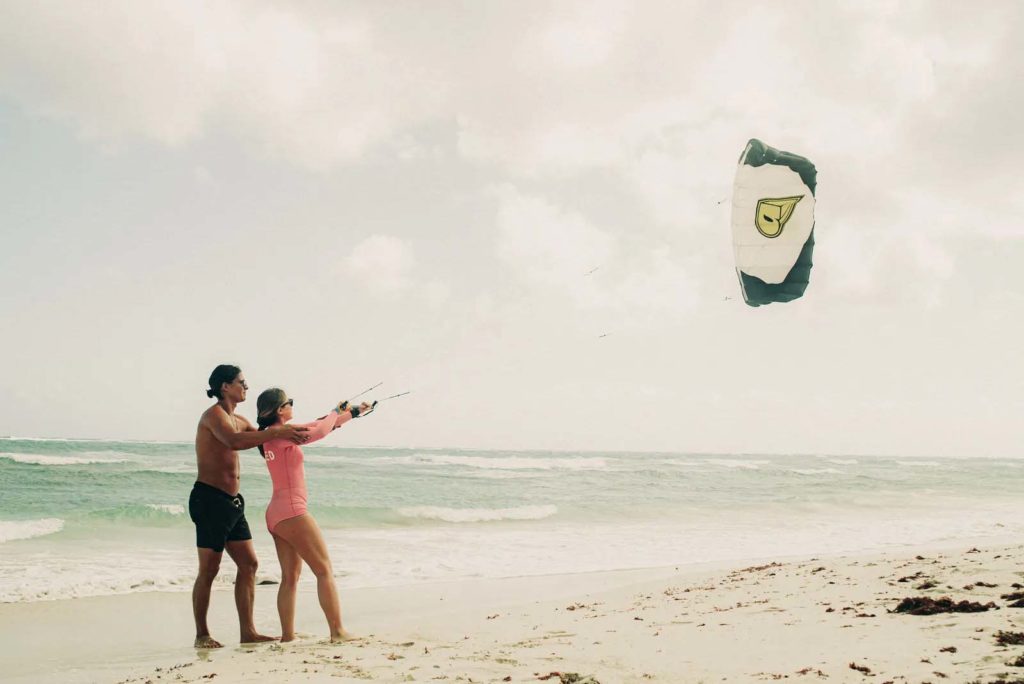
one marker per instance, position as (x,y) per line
(336,194)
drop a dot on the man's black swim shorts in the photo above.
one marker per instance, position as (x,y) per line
(219,516)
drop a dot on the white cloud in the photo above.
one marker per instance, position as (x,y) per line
(658,287)
(567,90)
(907,245)
(312,90)
(436,294)
(114,70)
(606,134)
(557,251)
(203,177)
(381,263)
(580,35)
(933,258)
(847,261)
(550,247)
(557,90)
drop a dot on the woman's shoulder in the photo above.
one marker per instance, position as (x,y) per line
(277,445)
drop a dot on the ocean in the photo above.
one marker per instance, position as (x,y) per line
(88,518)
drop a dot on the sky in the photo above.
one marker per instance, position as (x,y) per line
(332,195)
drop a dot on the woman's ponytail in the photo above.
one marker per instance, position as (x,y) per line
(266,408)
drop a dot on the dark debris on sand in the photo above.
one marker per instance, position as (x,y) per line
(757,568)
(860,668)
(1009,638)
(568,678)
(923,605)
(1017,597)
(811,670)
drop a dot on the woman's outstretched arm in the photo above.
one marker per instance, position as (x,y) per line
(322,427)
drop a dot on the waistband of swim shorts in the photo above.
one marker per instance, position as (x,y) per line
(216,490)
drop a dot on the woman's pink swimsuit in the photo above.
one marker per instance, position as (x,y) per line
(284,461)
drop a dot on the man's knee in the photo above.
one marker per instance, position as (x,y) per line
(208,571)
(247,565)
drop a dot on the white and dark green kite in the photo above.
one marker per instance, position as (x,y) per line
(773,223)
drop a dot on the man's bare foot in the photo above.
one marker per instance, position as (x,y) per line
(285,638)
(256,638)
(344,636)
(207,641)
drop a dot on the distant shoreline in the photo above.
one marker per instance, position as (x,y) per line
(537,450)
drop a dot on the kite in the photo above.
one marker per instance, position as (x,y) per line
(773,223)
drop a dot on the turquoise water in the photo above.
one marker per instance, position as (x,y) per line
(86,517)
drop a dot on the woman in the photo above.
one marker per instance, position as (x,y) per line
(295,532)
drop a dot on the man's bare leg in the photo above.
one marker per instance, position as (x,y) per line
(209,565)
(244,555)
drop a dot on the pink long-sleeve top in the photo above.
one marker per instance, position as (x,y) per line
(284,461)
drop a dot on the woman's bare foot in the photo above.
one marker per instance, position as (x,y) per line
(287,637)
(256,638)
(207,641)
(343,636)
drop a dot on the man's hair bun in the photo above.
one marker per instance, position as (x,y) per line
(222,374)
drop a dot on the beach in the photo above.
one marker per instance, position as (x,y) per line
(802,619)
(487,565)
(559,342)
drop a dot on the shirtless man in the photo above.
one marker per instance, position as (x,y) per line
(216,506)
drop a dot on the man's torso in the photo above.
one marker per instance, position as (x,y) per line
(217,463)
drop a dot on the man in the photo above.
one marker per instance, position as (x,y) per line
(216,506)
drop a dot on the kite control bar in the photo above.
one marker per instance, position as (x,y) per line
(367,390)
(376,401)
(394,396)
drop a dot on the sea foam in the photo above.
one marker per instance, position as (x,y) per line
(11,530)
(814,471)
(470,515)
(51,460)
(513,462)
(173,509)
(737,463)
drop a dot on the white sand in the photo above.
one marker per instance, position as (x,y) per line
(803,620)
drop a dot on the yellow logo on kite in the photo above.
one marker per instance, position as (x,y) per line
(772,215)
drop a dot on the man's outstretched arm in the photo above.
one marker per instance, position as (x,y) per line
(226,431)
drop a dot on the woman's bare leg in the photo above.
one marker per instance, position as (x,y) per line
(303,534)
(291,567)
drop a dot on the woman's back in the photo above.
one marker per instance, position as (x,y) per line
(285,462)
